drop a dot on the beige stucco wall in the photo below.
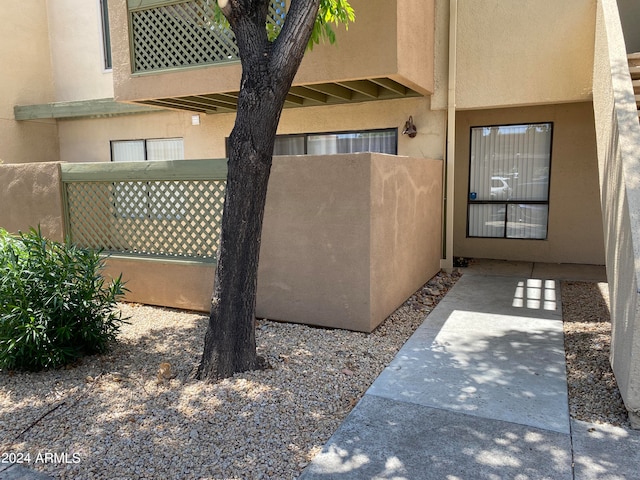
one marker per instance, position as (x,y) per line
(27,78)
(76,50)
(575,222)
(51,51)
(440,95)
(389,39)
(524,52)
(176,284)
(316,242)
(30,195)
(618,140)
(348,238)
(87,140)
(416,26)
(406,229)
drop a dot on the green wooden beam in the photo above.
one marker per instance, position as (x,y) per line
(391,85)
(84,108)
(179,103)
(309,94)
(332,89)
(327,93)
(209,169)
(364,87)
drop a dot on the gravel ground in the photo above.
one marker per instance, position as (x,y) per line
(114,417)
(593,393)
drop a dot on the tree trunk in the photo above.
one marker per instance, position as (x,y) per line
(267,73)
(230,339)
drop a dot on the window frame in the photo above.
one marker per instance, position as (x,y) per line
(507,202)
(149,212)
(144,143)
(306,136)
(107,60)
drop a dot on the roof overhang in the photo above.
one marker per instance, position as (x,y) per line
(99,108)
(334,93)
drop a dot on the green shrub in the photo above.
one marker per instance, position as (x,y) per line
(54,304)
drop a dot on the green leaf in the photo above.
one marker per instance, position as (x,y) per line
(331,13)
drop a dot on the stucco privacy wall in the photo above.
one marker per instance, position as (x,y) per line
(30,196)
(348,238)
(575,222)
(25,54)
(523,53)
(406,229)
(167,283)
(618,139)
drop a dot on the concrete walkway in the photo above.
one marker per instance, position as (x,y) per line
(480,392)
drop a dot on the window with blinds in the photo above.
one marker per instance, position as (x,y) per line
(379,141)
(147,199)
(151,149)
(510,167)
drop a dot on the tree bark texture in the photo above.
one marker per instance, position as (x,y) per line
(268,69)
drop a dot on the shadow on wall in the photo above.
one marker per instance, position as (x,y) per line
(30,195)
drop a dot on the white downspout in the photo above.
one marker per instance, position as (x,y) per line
(447,262)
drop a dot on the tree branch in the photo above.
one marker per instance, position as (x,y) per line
(295,34)
(225,6)
(38,419)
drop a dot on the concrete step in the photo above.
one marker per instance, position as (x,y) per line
(636,86)
(635,73)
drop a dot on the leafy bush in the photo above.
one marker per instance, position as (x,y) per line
(54,304)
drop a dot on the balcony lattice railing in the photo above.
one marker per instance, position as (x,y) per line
(165,209)
(184,34)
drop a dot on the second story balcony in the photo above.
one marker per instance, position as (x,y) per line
(172,54)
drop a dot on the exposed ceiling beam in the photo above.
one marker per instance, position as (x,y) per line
(319,94)
(176,104)
(390,85)
(362,86)
(309,94)
(332,90)
(216,101)
(296,100)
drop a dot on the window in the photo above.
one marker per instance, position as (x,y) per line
(509,181)
(150,199)
(106,36)
(151,149)
(381,141)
